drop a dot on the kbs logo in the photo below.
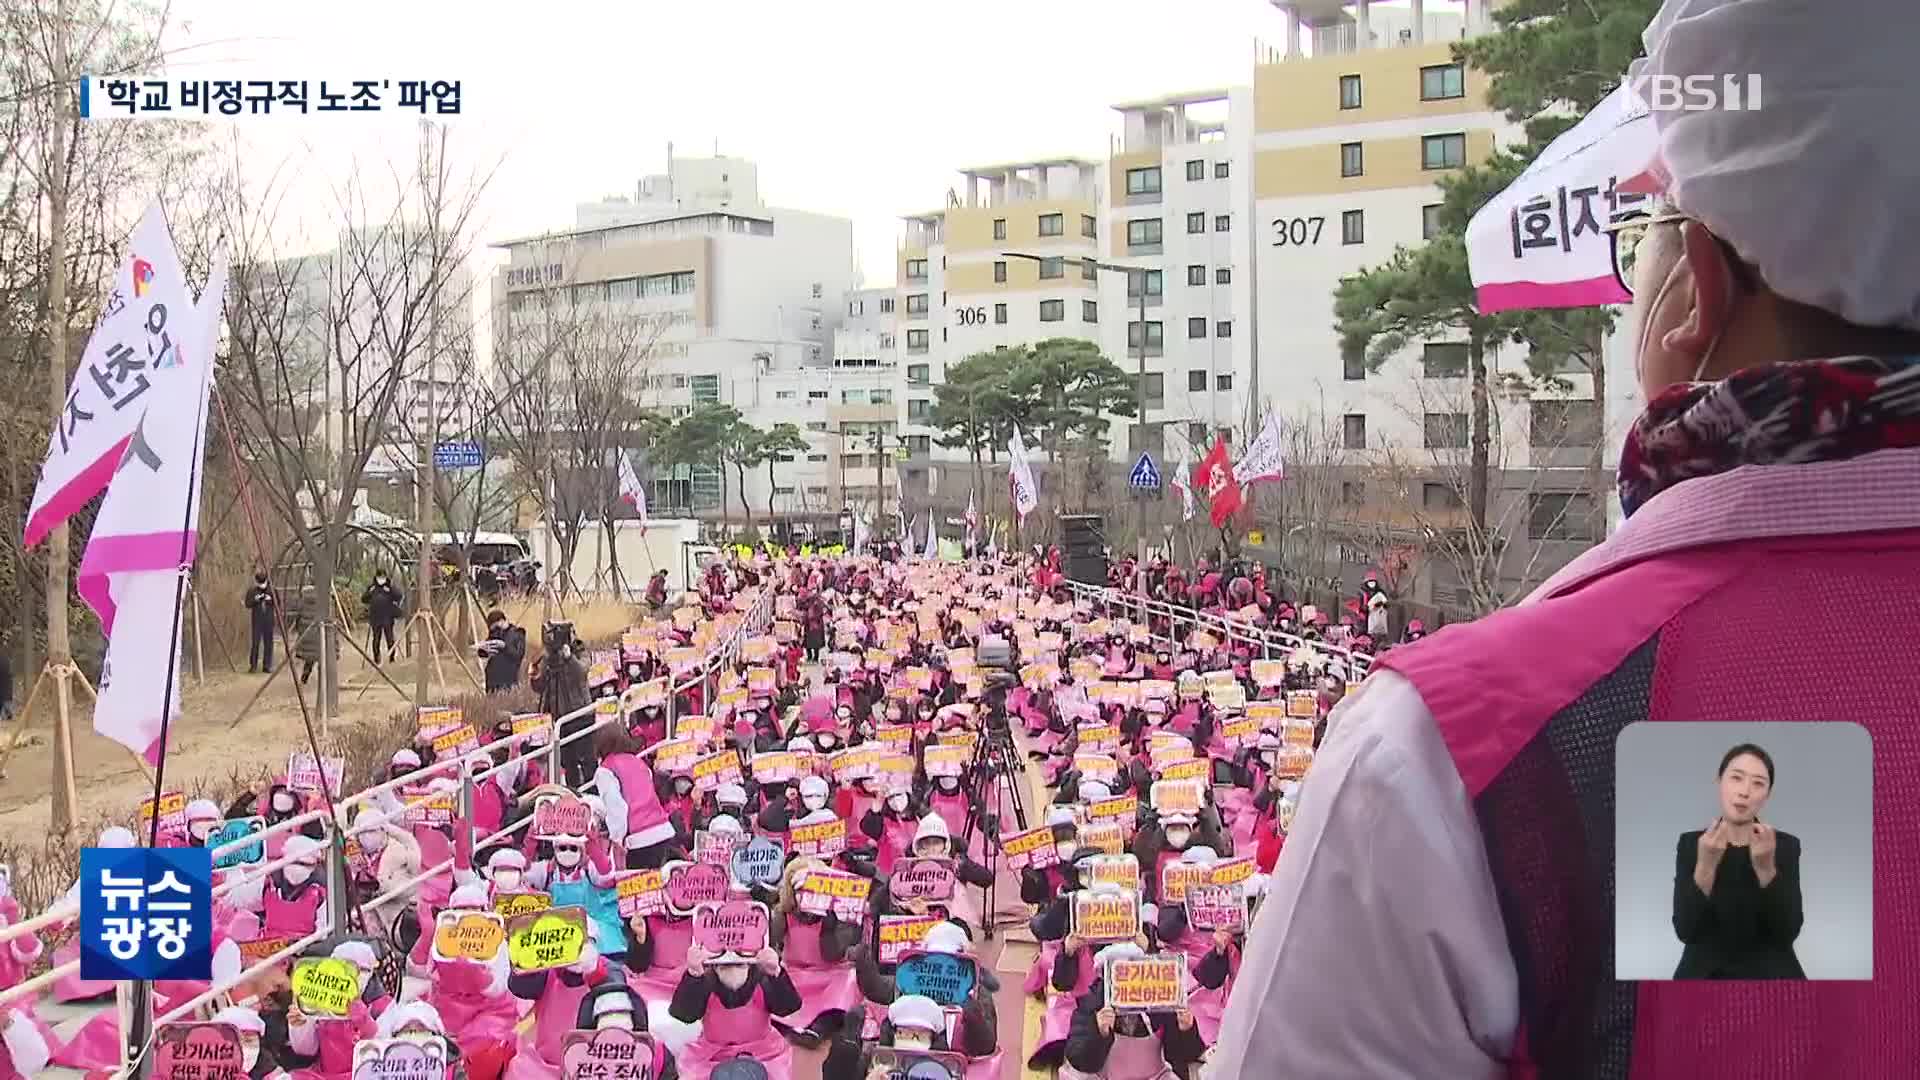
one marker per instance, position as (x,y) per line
(1704,93)
(142,276)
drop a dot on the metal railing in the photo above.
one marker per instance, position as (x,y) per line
(1273,644)
(343,819)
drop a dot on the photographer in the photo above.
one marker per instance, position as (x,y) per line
(561,681)
(504,648)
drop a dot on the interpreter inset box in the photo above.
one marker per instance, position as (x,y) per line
(1743,851)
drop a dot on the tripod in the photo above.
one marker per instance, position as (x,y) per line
(996,768)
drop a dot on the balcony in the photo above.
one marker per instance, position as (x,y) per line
(1333,28)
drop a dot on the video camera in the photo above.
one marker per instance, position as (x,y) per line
(558,639)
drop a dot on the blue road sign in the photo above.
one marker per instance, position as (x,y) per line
(146,913)
(1145,475)
(457,455)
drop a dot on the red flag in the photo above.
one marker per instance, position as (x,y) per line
(1213,477)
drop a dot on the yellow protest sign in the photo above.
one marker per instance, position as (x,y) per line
(1103,916)
(1302,704)
(509,904)
(1269,672)
(1107,837)
(323,986)
(1196,769)
(547,939)
(468,935)
(1155,983)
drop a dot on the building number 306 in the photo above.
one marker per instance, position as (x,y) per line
(972,316)
(1299,231)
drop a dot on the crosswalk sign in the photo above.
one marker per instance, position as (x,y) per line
(1145,475)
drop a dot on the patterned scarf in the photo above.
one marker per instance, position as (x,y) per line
(1778,414)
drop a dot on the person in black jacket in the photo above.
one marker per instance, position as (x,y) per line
(260,605)
(1099,1033)
(1736,884)
(504,649)
(384,603)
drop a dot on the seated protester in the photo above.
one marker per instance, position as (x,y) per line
(275,803)
(893,825)
(404,762)
(976,1034)
(322,1046)
(681,805)
(418,1018)
(1213,958)
(570,880)
(292,900)
(383,857)
(735,999)
(1162,839)
(815,949)
(1108,1044)
(557,996)
(913,1022)
(254,1063)
(471,996)
(656,953)
(1041,886)
(729,800)
(932,841)
(614,1005)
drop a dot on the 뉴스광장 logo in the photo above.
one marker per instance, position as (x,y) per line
(146,913)
(142,276)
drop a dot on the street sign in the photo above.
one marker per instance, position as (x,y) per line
(457,455)
(1145,475)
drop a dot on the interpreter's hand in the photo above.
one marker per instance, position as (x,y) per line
(1713,844)
(1222,940)
(767,960)
(696,960)
(1765,844)
(1073,944)
(1184,1017)
(1104,1018)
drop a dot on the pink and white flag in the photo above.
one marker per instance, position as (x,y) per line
(632,491)
(125,363)
(149,525)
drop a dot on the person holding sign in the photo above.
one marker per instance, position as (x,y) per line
(913,1024)
(570,879)
(322,1046)
(815,949)
(470,994)
(1110,1044)
(418,1021)
(976,1031)
(1062,971)
(735,999)
(1164,838)
(252,1028)
(380,858)
(293,899)
(612,1007)
(556,996)
(893,826)
(636,822)
(1213,954)
(1040,884)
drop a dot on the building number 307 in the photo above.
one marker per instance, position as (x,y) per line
(1299,231)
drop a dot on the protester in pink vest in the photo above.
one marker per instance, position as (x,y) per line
(735,1000)
(1444,905)
(328,1041)
(556,996)
(26,1042)
(636,822)
(292,900)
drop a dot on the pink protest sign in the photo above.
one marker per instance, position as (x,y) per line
(691,884)
(398,1058)
(562,816)
(921,879)
(715,848)
(198,1052)
(733,926)
(607,1054)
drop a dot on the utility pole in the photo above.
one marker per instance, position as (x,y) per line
(1140,408)
(59,642)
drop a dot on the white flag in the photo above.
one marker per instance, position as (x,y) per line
(1181,472)
(1020,475)
(126,361)
(1265,458)
(973,518)
(933,537)
(149,525)
(859,534)
(632,491)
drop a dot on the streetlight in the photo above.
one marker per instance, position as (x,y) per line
(1140,398)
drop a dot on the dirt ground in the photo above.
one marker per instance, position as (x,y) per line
(214,739)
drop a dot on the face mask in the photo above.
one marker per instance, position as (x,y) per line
(379,581)
(815,802)
(567,856)
(825,742)
(249,1054)
(949,783)
(372,842)
(912,1039)
(1065,851)
(506,879)
(732,976)
(682,786)
(298,874)
(613,1021)
(201,830)
(897,803)
(283,803)
(1178,837)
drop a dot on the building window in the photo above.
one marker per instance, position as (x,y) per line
(1444,431)
(1429,221)
(1443,151)
(1223,383)
(1089,228)
(916,269)
(1000,314)
(855,396)
(1197,432)
(1353,227)
(1221,222)
(916,341)
(917,408)
(1197,382)
(1552,425)
(1196,275)
(1143,181)
(1196,223)
(1156,335)
(1353,364)
(1156,390)
(1143,232)
(1353,492)
(1443,360)
(1222,276)
(1053,268)
(1089,311)
(886,305)
(880,395)
(816,395)
(1442,81)
(855,308)
(1438,497)
(999,271)
(919,444)
(1223,328)
(817,459)
(999,228)
(918,374)
(1196,170)
(1219,170)
(1053,225)
(1155,283)
(783,395)
(1353,431)
(1352,160)
(1349,91)
(917,304)
(1053,310)
(1089,270)
(1562,516)
(1197,327)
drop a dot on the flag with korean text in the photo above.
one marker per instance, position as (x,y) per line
(1020,476)
(1265,458)
(632,491)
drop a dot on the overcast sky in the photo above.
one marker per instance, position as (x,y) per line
(862,108)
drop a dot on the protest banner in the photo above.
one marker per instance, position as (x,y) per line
(691,884)
(564,816)
(640,892)
(607,1054)
(1156,983)
(902,933)
(323,986)
(1216,907)
(946,760)
(198,1051)
(921,879)
(759,861)
(509,904)
(739,927)
(1120,871)
(716,769)
(1032,849)
(826,838)
(944,977)
(820,891)
(411,1057)
(468,935)
(1105,915)
(543,940)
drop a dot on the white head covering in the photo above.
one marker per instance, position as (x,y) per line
(398,1016)
(507,859)
(246,1020)
(946,937)
(203,810)
(1124,950)
(117,836)
(916,1011)
(1200,854)
(614,1003)
(357,953)
(725,823)
(818,817)
(1060,815)
(731,794)
(1835,83)
(472,896)
(302,847)
(931,826)
(1094,791)
(368,821)
(814,786)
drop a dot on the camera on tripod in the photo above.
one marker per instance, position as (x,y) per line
(558,639)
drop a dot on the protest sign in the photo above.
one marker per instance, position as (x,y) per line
(1096,767)
(759,861)
(607,1054)
(530,722)
(716,848)
(1029,850)
(946,760)
(675,756)
(919,1064)
(900,934)
(762,681)
(820,891)
(820,838)
(323,986)
(1268,672)
(1241,733)
(1105,915)
(947,979)
(641,892)
(1176,876)
(892,767)
(780,766)
(1228,698)
(697,728)
(1107,837)
(1156,689)
(1120,871)
(1297,734)
(1199,768)
(1156,983)
(1176,797)
(305,774)
(1095,737)
(431,719)
(859,763)
(739,927)
(716,769)
(468,935)
(1231,871)
(1122,810)
(1216,907)
(508,904)
(1302,704)
(238,829)
(542,940)
(410,1057)
(198,1052)
(921,879)
(455,742)
(430,810)
(564,816)
(1292,762)
(173,819)
(262,948)
(691,884)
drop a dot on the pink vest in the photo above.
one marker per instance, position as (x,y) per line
(802,949)
(725,1028)
(295,917)
(636,787)
(1685,615)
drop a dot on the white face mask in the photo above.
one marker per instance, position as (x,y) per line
(298,873)
(618,1021)
(825,742)
(912,1039)
(506,879)
(1178,837)
(897,803)
(200,830)
(372,842)
(732,976)
(282,803)
(567,856)
(949,783)
(249,1055)
(815,802)
(1066,851)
